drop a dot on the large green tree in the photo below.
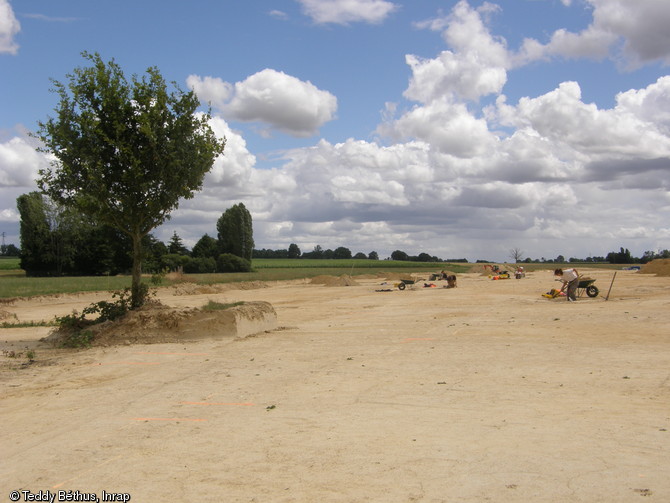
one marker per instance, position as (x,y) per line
(125,152)
(235,232)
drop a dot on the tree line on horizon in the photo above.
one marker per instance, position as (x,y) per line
(58,241)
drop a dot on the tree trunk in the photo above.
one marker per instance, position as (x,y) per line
(137,294)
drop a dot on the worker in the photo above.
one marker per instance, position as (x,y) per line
(570,279)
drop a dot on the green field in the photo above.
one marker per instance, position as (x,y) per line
(9,263)
(14,283)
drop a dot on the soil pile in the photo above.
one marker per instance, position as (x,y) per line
(188,288)
(396,276)
(659,267)
(344,280)
(486,269)
(480,269)
(157,323)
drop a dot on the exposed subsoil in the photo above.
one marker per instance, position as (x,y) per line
(484,392)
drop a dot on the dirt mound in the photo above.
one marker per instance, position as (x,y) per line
(480,269)
(188,288)
(343,280)
(193,289)
(659,267)
(395,276)
(485,269)
(157,323)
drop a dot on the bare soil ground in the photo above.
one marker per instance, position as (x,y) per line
(484,392)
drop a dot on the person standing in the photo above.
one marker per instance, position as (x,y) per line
(570,279)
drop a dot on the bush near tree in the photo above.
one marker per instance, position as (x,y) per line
(206,246)
(200,265)
(227,262)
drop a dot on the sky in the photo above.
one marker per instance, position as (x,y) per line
(461,129)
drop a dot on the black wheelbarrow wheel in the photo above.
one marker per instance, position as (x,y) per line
(401,286)
(592,291)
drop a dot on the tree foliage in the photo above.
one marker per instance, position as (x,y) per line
(228,262)
(399,255)
(235,232)
(622,257)
(176,245)
(206,247)
(124,152)
(58,241)
(342,253)
(9,250)
(37,258)
(293,251)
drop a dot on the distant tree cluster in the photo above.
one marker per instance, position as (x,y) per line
(623,256)
(422,257)
(56,241)
(345,253)
(648,256)
(318,252)
(9,250)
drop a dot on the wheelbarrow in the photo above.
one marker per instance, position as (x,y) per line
(404,283)
(586,285)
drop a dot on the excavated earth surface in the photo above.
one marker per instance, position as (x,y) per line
(349,390)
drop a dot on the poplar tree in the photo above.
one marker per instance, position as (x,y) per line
(235,232)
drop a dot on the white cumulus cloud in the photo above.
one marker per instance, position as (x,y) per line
(347,11)
(633,32)
(283,102)
(19,163)
(474,67)
(9,27)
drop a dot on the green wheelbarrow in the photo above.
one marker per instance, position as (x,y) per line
(586,285)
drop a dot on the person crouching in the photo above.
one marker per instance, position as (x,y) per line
(570,279)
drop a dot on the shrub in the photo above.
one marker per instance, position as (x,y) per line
(227,262)
(74,325)
(200,265)
(173,262)
(80,339)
